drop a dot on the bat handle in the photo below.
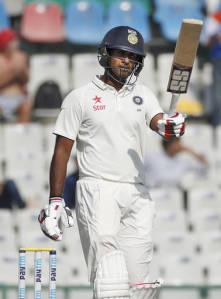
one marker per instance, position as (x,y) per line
(173,104)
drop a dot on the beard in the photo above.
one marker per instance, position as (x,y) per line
(121,73)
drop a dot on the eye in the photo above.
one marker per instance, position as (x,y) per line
(133,57)
(121,53)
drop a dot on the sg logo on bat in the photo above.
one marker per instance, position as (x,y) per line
(179,80)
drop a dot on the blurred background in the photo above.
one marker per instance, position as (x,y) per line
(48,48)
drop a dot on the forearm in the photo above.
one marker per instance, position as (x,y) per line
(197,156)
(58,167)
(58,171)
(153,124)
(23,76)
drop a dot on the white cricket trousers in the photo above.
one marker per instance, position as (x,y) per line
(115,216)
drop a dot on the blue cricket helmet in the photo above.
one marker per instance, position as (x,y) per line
(124,38)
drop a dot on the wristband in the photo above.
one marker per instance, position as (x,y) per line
(55,198)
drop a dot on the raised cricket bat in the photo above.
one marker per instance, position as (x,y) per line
(185,53)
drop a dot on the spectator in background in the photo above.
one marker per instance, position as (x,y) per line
(168,167)
(213,41)
(9,193)
(14,74)
(10,196)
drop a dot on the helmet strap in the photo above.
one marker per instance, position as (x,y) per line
(104,60)
(119,79)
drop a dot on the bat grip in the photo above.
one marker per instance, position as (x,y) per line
(173,104)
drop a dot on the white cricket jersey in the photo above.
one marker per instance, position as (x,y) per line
(109,128)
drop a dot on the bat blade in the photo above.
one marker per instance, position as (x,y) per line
(185,53)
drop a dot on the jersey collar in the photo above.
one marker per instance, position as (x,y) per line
(100,84)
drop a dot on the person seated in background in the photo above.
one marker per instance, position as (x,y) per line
(10,196)
(168,167)
(9,193)
(213,41)
(14,75)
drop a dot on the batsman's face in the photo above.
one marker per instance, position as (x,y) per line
(122,62)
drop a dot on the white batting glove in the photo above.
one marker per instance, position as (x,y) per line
(54,217)
(171,126)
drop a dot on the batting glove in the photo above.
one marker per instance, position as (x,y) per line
(54,217)
(171,126)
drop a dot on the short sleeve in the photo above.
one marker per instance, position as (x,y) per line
(152,105)
(69,118)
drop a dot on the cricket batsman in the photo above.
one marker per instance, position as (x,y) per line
(108,119)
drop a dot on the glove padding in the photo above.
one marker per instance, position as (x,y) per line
(171,126)
(53,218)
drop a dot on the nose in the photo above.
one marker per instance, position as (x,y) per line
(126,60)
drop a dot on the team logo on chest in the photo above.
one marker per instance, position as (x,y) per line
(98,104)
(137,100)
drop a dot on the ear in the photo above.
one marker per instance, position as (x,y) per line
(103,56)
(139,67)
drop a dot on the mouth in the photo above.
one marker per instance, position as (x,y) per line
(125,70)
